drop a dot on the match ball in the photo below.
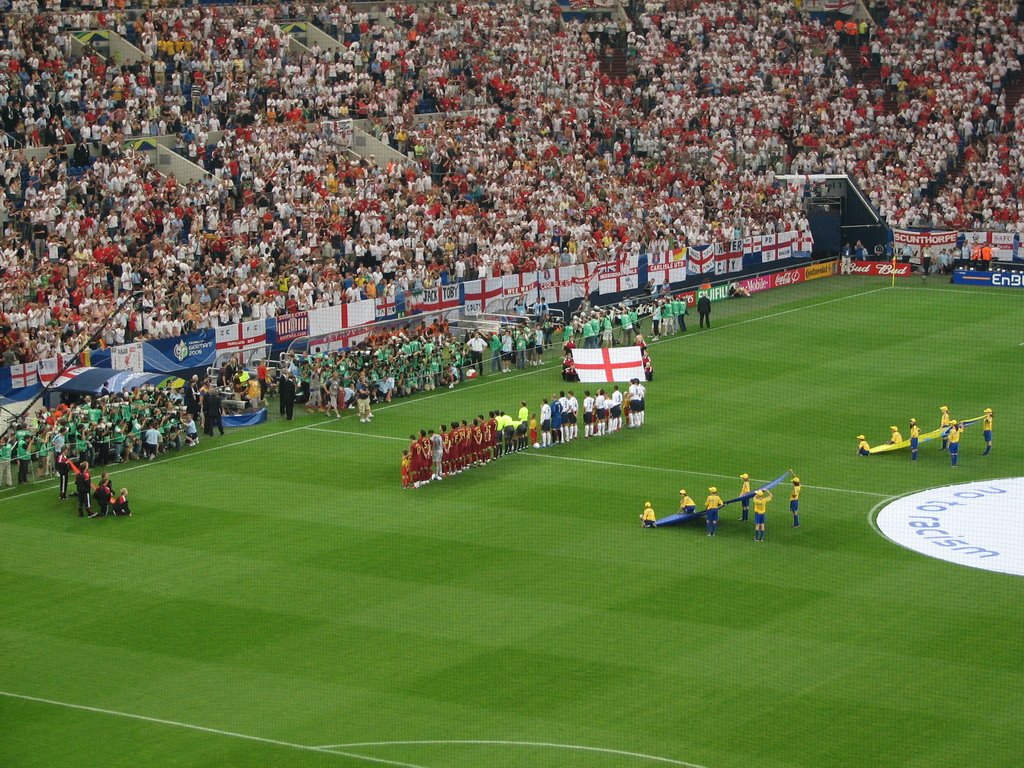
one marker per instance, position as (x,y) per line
(536,445)
(471,373)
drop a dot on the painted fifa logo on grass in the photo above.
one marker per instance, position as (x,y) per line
(980,525)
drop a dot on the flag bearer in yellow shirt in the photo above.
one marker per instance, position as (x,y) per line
(944,421)
(761,499)
(794,501)
(915,434)
(711,505)
(745,488)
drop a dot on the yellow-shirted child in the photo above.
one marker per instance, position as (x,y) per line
(712,504)
(761,499)
(647,516)
(794,501)
(745,503)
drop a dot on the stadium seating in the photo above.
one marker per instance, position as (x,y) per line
(684,109)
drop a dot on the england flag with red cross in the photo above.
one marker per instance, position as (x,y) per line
(612,364)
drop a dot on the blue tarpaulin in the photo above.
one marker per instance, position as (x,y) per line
(92,380)
(250,419)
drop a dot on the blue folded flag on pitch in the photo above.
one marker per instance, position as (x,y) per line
(766,487)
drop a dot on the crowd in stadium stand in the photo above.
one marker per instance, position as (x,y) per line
(543,159)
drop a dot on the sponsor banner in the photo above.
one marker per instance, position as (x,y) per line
(715,292)
(821,269)
(757,284)
(789,277)
(927,238)
(609,364)
(439,297)
(880,268)
(993,279)
(293,326)
(240,337)
(193,350)
(973,524)
(127,357)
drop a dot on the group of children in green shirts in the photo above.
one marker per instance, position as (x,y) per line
(397,367)
(621,325)
(105,429)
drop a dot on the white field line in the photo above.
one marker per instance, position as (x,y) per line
(682,471)
(873,512)
(50,484)
(675,470)
(502,743)
(493,378)
(204,729)
(967,289)
(357,434)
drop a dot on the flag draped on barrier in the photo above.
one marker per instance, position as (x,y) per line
(700,259)
(609,364)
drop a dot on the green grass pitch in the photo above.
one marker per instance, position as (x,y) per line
(278,600)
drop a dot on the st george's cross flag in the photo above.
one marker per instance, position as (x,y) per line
(613,364)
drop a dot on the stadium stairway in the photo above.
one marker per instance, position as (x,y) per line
(870,76)
(614,65)
(1014,92)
